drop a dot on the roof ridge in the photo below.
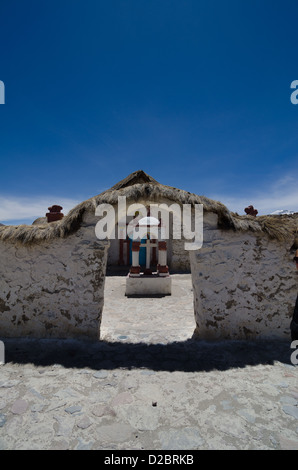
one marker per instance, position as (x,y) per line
(137,177)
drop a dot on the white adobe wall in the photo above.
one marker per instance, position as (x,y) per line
(53,289)
(179,259)
(113,254)
(245,285)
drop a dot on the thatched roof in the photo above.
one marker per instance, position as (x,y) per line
(139,186)
(40,221)
(138,177)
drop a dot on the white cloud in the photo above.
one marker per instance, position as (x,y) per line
(282,194)
(18,208)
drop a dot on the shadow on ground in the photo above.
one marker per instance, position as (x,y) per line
(189,356)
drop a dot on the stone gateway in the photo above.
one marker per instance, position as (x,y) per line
(53,272)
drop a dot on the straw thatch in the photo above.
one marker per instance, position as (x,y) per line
(138,177)
(141,187)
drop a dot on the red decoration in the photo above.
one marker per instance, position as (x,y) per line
(250,210)
(55,213)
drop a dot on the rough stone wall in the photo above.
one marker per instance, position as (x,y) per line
(244,285)
(53,289)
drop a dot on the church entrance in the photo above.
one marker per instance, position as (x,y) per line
(146,317)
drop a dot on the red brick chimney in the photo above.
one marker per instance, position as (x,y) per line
(54,214)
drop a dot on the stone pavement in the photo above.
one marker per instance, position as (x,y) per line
(151,320)
(148,385)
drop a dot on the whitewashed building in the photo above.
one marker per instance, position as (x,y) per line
(244,279)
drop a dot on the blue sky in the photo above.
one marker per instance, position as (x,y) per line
(196,93)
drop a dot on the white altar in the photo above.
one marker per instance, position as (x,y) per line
(149,282)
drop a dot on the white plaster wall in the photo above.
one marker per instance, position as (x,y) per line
(53,289)
(179,259)
(245,285)
(113,254)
